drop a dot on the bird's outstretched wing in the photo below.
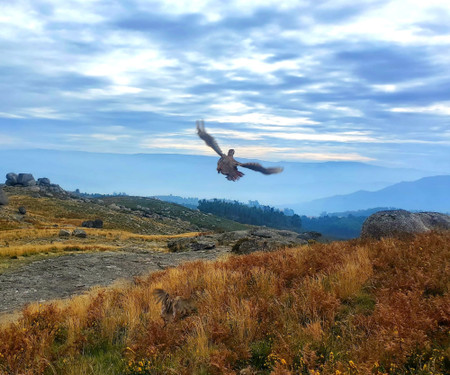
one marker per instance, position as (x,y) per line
(259,168)
(209,140)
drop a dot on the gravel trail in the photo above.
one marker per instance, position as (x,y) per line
(67,275)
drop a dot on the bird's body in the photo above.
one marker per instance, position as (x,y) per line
(227,164)
(173,308)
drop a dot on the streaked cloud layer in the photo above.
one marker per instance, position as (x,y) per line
(277,80)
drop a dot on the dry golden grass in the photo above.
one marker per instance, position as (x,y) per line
(58,247)
(27,234)
(20,242)
(356,307)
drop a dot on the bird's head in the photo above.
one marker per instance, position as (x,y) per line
(230,152)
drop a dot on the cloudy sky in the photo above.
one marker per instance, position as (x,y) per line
(314,80)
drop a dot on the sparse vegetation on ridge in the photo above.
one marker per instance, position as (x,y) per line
(356,307)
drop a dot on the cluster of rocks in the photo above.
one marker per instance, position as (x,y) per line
(27,180)
(244,241)
(80,233)
(400,223)
(265,239)
(22,179)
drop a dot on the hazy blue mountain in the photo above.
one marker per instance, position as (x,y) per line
(196,176)
(426,194)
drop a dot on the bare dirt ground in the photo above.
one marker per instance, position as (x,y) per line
(70,274)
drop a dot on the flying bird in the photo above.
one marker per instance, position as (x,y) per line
(227,165)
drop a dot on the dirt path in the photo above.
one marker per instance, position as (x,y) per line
(67,275)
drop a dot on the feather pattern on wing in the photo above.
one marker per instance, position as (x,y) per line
(209,140)
(259,168)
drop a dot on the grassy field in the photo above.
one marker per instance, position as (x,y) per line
(356,307)
(24,238)
(47,212)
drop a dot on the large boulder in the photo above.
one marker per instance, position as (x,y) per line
(44,181)
(11,179)
(397,223)
(266,239)
(97,223)
(3,198)
(251,244)
(26,179)
(189,244)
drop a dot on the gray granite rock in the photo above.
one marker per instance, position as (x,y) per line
(397,223)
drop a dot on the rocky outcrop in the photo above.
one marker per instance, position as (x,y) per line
(22,210)
(189,244)
(308,236)
(242,241)
(265,239)
(22,179)
(42,185)
(97,223)
(3,198)
(397,223)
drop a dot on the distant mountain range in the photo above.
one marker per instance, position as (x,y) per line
(196,176)
(426,194)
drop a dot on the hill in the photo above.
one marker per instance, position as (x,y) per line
(426,194)
(196,176)
(356,307)
(128,223)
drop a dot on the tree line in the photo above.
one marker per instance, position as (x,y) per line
(256,215)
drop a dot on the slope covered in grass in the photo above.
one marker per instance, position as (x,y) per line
(161,217)
(138,222)
(356,307)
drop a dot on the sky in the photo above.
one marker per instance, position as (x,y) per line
(310,81)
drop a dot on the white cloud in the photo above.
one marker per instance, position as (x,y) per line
(35,112)
(6,140)
(344,137)
(126,66)
(263,119)
(109,137)
(10,115)
(318,156)
(442,109)
(340,110)
(112,90)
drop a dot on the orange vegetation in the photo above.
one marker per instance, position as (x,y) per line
(356,307)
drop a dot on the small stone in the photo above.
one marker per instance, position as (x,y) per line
(80,233)
(3,198)
(64,233)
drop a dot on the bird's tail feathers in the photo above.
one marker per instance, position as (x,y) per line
(161,295)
